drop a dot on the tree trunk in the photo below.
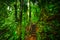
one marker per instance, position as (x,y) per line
(20,19)
(16,19)
(29,11)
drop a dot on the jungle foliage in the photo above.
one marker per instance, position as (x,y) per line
(16,16)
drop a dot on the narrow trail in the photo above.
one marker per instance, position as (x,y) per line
(32,35)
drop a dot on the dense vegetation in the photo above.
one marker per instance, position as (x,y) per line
(17,16)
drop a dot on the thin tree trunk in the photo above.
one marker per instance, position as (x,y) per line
(20,19)
(16,19)
(29,11)
(21,8)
